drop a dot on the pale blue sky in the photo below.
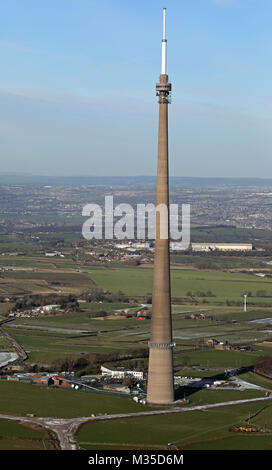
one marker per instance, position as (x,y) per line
(77,86)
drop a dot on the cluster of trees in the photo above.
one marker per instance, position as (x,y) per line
(200,294)
(137,363)
(90,363)
(205,264)
(263,364)
(263,293)
(100,313)
(259,293)
(97,294)
(233,303)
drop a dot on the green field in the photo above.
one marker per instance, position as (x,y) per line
(215,289)
(256,379)
(4,344)
(264,418)
(23,398)
(46,346)
(15,436)
(217,358)
(204,396)
(138,281)
(234,442)
(195,429)
(48,338)
(187,372)
(134,281)
(24,282)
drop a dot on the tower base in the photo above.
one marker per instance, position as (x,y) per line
(160,388)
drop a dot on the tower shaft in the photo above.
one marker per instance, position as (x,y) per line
(160,371)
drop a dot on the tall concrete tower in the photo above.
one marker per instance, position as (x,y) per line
(160,388)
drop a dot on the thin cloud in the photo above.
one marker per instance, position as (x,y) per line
(16,46)
(223,2)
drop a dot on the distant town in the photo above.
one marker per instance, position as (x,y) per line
(231,203)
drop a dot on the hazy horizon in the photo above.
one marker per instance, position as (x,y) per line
(25,178)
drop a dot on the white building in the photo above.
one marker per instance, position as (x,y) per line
(221,246)
(49,308)
(54,253)
(121,373)
(141,245)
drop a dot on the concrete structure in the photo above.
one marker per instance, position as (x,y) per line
(245,303)
(160,387)
(222,246)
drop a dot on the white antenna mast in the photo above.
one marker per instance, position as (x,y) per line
(164,44)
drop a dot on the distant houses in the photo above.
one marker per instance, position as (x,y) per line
(35,311)
(199,316)
(214,343)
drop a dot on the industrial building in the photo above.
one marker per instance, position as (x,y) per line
(221,247)
(120,373)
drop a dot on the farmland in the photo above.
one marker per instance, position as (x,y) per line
(23,398)
(227,280)
(96,333)
(190,430)
(14,436)
(45,338)
(224,285)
